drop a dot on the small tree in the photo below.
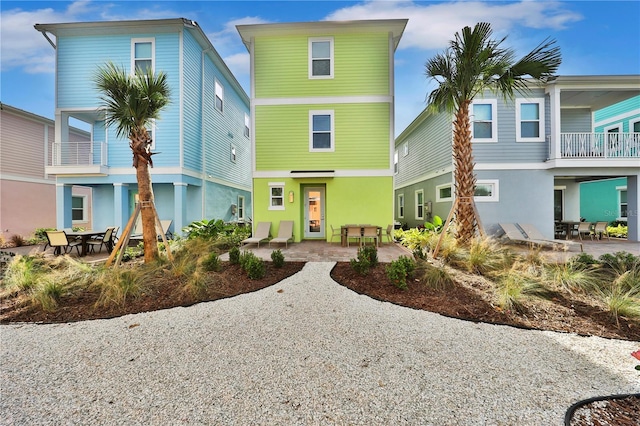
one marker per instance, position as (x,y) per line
(131,102)
(472,64)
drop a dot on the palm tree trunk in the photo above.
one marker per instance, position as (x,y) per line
(141,160)
(465,180)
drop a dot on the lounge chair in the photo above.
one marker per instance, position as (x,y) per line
(600,230)
(166,224)
(533,236)
(59,241)
(285,233)
(261,234)
(335,233)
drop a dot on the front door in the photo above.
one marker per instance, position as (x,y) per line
(314,212)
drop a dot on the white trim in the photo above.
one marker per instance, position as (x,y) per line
(424,177)
(151,40)
(310,57)
(619,189)
(619,117)
(273,185)
(494,120)
(618,126)
(439,187)
(332,130)
(541,123)
(216,85)
(273,174)
(84,208)
(632,122)
(405,148)
(416,205)
(244,207)
(319,100)
(233,156)
(495,194)
(400,205)
(396,166)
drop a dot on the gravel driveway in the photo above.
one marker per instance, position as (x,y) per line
(305,351)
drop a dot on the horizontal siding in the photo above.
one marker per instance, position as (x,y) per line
(575,120)
(429,190)
(624,112)
(23,144)
(361,67)
(192,131)
(361,137)
(429,149)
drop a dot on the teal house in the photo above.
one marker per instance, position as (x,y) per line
(202,140)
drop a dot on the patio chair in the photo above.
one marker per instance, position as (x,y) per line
(370,232)
(584,228)
(261,234)
(166,224)
(354,232)
(285,233)
(335,233)
(59,241)
(390,233)
(600,230)
(104,241)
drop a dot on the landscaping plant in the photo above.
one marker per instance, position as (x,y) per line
(277,258)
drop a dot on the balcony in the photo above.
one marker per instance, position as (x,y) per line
(78,158)
(593,146)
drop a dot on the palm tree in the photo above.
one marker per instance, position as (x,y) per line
(473,63)
(131,102)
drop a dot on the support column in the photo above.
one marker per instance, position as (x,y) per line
(64,202)
(121,204)
(554,124)
(633,207)
(180,207)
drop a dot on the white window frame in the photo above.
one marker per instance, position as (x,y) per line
(233,155)
(417,216)
(272,186)
(395,162)
(620,189)
(218,93)
(134,41)
(495,194)
(247,125)
(541,122)
(632,124)
(440,199)
(332,132)
(331,57)
(241,207)
(401,206)
(405,149)
(84,209)
(494,120)
(151,127)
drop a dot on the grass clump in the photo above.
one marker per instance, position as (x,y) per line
(212,263)
(435,277)
(514,286)
(116,286)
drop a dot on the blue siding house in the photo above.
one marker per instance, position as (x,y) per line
(531,154)
(202,168)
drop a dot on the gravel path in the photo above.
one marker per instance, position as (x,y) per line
(306,351)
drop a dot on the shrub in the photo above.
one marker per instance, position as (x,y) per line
(253,265)
(583,260)
(618,231)
(277,258)
(367,258)
(41,233)
(399,270)
(17,240)
(619,262)
(234,255)
(434,277)
(211,262)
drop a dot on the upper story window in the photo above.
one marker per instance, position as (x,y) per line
(233,154)
(142,55)
(219,100)
(276,195)
(444,192)
(405,149)
(321,136)
(484,123)
(634,126)
(246,125)
(151,132)
(321,57)
(529,120)
(395,163)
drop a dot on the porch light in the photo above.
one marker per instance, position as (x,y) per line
(291,196)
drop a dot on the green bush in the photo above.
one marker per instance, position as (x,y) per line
(254,266)
(41,233)
(399,270)
(234,255)
(277,258)
(618,231)
(211,262)
(367,258)
(621,261)
(225,235)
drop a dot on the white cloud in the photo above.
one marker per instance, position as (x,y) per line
(239,64)
(431,26)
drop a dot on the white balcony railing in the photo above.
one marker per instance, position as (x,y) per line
(599,145)
(79,154)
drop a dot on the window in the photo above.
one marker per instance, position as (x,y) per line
(142,55)
(622,204)
(530,120)
(321,57)
(233,153)
(420,204)
(405,149)
(276,196)
(151,132)
(486,190)
(395,163)
(321,130)
(401,206)
(219,100)
(444,192)
(78,212)
(484,127)
(240,207)
(246,125)
(635,126)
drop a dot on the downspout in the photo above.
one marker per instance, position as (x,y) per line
(202,132)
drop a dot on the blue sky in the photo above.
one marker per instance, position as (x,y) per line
(595,37)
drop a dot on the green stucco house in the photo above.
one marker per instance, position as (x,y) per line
(322,105)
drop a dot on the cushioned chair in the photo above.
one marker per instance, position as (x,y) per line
(60,243)
(354,232)
(600,230)
(370,232)
(261,234)
(285,233)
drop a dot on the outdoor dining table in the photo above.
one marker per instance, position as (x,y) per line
(343,232)
(85,236)
(569,226)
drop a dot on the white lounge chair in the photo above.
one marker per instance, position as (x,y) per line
(285,233)
(261,234)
